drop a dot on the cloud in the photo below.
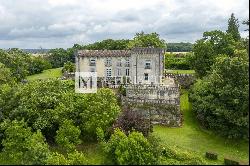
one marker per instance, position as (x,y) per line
(61,23)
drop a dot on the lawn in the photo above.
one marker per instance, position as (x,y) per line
(180,71)
(50,73)
(191,137)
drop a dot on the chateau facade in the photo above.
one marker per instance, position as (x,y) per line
(147,92)
(140,65)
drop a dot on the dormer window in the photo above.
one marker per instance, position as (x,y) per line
(148,64)
(92,62)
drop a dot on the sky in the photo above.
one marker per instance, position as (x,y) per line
(62,23)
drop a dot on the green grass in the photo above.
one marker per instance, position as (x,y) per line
(191,137)
(91,150)
(180,71)
(93,153)
(50,73)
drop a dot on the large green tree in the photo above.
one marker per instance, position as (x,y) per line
(221,99)
(57,57)
(147,40)
(207,49)
(233,27)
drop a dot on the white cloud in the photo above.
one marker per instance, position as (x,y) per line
(61,23)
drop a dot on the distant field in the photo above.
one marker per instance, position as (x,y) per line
(51,73)
(180,71)
(191,137)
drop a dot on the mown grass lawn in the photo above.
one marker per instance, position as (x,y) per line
(191,137)
(46,74)
(180,71)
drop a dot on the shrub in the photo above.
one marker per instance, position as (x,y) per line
(68,67)
(172,154)
(68,135)
(133,149)
(21,146)
(212,155)
(77,158)
(130,120)
(56,159)
(74,158)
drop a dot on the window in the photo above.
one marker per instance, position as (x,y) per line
(92,62)
(127,72)
(119,73)
(148,64)
(119,62)
(146,76)
(108,72)
(108,62)
(127,63)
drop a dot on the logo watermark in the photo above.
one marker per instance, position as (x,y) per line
(85,82)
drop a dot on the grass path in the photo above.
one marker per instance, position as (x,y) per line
(191,137)
(50,73)
(180,71)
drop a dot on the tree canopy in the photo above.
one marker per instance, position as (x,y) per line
(233,27)
(147,40)
(221,99)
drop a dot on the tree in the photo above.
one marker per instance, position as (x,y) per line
(147,40)
(68,135)
(38,103)
(21,146)
(44,104)
(17,61)
(246,22)
(37,65)
(68,67)
(97,110)
(57,57)
(179,47)
(207,49)
(133,149)
(5,75)
(233,27)
(221,99)
(108,44)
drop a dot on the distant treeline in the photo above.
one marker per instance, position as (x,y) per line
(179,47)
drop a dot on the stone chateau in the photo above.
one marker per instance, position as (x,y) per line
(140,65)
(141,70)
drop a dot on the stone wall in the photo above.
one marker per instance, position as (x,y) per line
(161,104)
(184,80)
